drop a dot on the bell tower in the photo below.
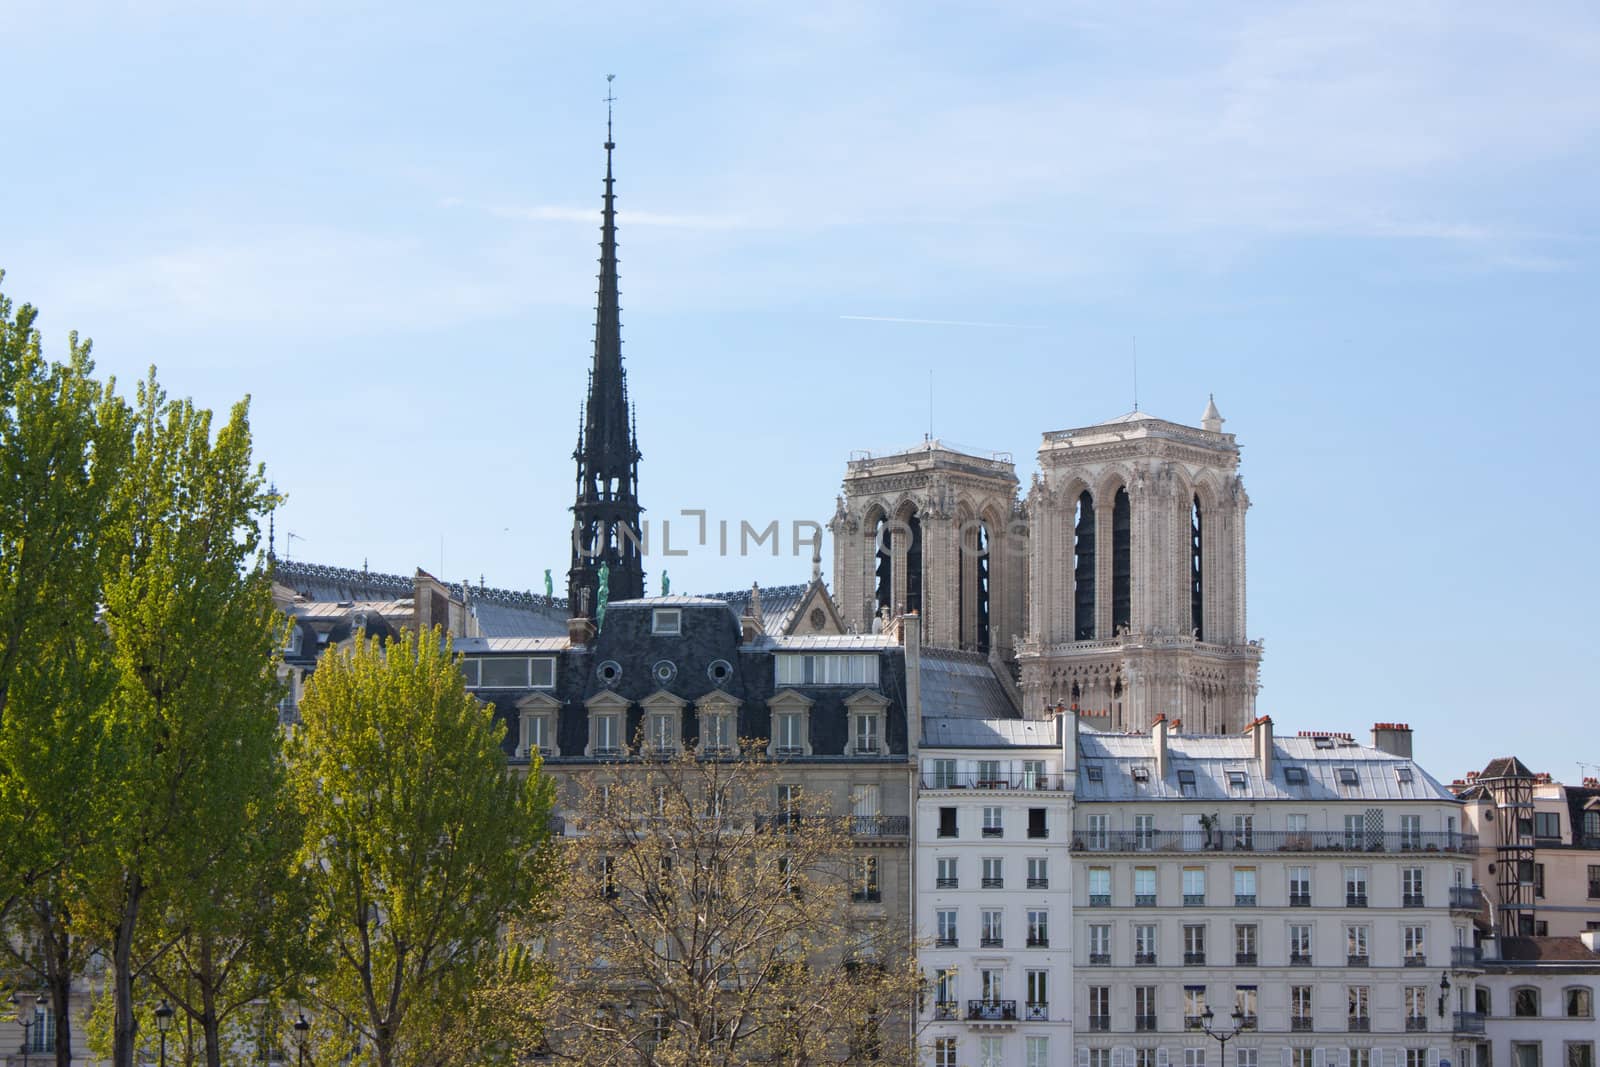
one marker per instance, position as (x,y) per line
(1138,575)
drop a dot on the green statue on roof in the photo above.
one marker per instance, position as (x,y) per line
(666,584)
(602,596)
(549,586)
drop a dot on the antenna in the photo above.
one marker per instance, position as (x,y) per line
(289,538)
(610,99)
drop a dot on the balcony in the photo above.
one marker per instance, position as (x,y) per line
(1465,956)
(994,941)
(866,896)
(1144,1023)
(1099,959)
(947,883)
(1100,1024)
(992,1011)
(1040,941)
(1289,841)
(1355,900)
(1194,959)
(1467,898)
(1297,960)
(1194,1022)
(1099,900)
(1144,900)
(971,780)
(1038,883)
(993,882)
(1416,961)
(1469,1022)
(1244,959)
(1144,959)
(1037,1011)
(1244,900)
(1358,961)
(1359,1024)
(1299,1025)
(946,1009)
(1250,1022)
(994,831)
(1194,900)
(945,942)
(1416,1025)
(1299,900)
(1412,900)
(880,825)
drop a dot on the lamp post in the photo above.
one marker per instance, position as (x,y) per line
(164,1015)
(1444,992)
(28,1021)
(1222,1036)
(301,1029)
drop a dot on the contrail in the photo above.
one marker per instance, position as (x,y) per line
(942,322)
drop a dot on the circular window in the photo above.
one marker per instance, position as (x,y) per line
(664,670)
(1488,815)
(818,619)
(1491,868)
(720,671)
(610,671)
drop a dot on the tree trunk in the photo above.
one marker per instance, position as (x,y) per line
(58,975)
(208,1006)
(124,1027)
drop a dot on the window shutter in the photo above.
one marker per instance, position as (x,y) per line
(1319,1057)
(1116,1057)
(1433,1057)
(1083,1056)
(1161,1057)
(1286,1058)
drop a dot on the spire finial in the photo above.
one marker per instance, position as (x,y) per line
(610,99)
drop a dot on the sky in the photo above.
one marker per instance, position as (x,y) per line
(1368,228)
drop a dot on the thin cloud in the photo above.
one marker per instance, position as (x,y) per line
(942,322)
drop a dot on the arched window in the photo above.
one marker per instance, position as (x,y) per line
(883,569)
(1121,563)
(972,583)
(1525,1002)
(1579,1002)
(1197,594)
(914,563)
(1083,568)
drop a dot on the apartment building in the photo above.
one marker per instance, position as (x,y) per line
(1311,893)
(993,889)
(1536,1002)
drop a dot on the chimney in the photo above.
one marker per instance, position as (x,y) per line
(1261,739)
(1067,731)
(1158,733)
(1393,738)
(911,634)
(1490,947)
(580,632)
(1591,940)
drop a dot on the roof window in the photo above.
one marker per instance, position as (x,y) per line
(1237,781)
(667,622)
(1294,776)
(1347,776)
(1186,783)
(1141,775)
(1322,742)
(1094,772)
(1404,774)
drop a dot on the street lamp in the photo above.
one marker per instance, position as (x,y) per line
(1222,1036)
(1444,992)
(28,1021)
(164,1015)
(301,1028)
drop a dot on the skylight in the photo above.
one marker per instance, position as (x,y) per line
(1094,772)
(1237,781)
(1186,783)
(1141,775)
(1347,776)
(1404,774)
(1294,776)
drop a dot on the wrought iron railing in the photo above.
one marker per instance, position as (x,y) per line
(992,1011)
(973,780)
(1270,841)
(1037,1011)
(1466,897)
(1465,955)
(1469,1022)
(879,825)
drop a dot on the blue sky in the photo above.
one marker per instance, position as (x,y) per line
(1369,228)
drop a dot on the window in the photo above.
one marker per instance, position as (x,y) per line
(1355,887)
(1244,944)
(1036,824)
(1525,1002)
(1354,832)
(1144,944)
(1099,1057)
(1244,831)
(1347,776)
(947,927)
(1580,1054)
(866,884)
(1244,1002)
(1301,1057)
(716,731)
(1095,833)
(1144,1008)
(942,774)
(1038,988)
(1411,887)
(1356,939)
(1036,1051)
(989,984)
(1547,824)
(1579,1003)
(1300,945)
(1415,939)
(1145,1057)
(1099,887)
(1358,1015)
(1144,887)
(1246,1057)
(1038,929)
(1186,783)
(1525,1053)
(607,734)
(944,1052)
(947,822)
(1140,775)
(1300,887)
(992,934)
(989,1052)
(1594,881)
(1144,832)
(1237,782)
(1099,1007)
(1294,776)
(1538,880)
(1411,832)
(1194,887)
(664,731)
(1299,1007)
(1244,887)
(993,873)
(944,993)
(788,804)
(666,622)
(993,822)
(1033,774)
(946,877)
(1099,943)
(866,733)
(1094,772)
(790,736)
(826,669)
(1403,775)
(1038,873)
(1194,1005)
(1415,999)
(1362,1057)
(1194,1057)
(1194,944)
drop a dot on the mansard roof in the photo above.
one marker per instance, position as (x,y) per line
(990,733)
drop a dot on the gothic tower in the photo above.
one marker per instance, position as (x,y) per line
(606,513)
(1138,576)
(934,531)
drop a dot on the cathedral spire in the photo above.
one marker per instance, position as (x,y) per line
(606,512)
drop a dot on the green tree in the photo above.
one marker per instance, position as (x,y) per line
(191,719)
(64,444)
(420,845)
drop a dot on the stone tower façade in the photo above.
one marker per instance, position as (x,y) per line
(1137,576)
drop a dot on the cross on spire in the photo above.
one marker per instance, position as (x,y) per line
(611,98)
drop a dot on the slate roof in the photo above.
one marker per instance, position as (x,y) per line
(778,603)
(1545,950)
(1211,757)
(961,685)
(1506,767)
(990,733)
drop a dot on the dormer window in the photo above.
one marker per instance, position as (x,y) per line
(866,734)
(607,717)
(791,724)
(1238,782)
(663,722)
(607,734)
(867,710)
(1404,775)
(1347,776)
(1294,776)
(1094,772)
(537,715)
(1186,784)
(666,622)
(719,723)
(663,733)
(1141,775)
